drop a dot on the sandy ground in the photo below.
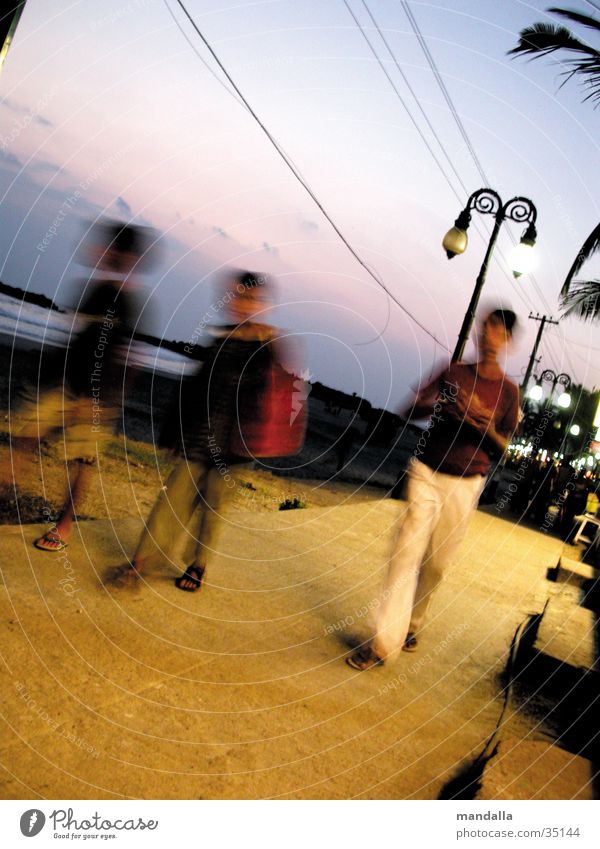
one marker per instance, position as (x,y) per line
(126,479)
(241,691)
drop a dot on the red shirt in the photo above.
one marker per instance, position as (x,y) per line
(451,446)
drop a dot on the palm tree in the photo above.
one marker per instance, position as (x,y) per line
(543,39)
(579,297)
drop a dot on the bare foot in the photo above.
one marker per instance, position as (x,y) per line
(125,577)
(51,541)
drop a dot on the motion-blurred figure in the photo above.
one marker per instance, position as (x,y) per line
(242,404)
(344,447)
(474,410)
(81,399)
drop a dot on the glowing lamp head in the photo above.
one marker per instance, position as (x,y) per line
(564,400)
(522,259)
(523,256)
(575,430)
(536,392)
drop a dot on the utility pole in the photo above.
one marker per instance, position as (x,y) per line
(544,320)
(8,25)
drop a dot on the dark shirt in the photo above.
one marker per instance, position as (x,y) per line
(454,447)
(227,386)
(92,360)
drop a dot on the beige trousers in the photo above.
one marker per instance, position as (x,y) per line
(188,506)
(434,526)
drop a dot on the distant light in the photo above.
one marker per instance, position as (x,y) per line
(536,392)
(575,430)
(564,400)
(544,455)
(590,461)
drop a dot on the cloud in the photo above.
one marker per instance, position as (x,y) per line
(123,207)
(10,159)
(19,109)
(45,165)
(220,231)
(270,249)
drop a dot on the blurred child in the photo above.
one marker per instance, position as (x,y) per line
(226,389)
(81,401)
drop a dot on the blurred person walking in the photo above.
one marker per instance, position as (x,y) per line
(81,401)
(238,406)
(474,410)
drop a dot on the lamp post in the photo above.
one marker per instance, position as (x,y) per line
(537,391)
(489,202)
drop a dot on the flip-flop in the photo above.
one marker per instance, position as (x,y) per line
(364,659)
(53,542)
(410,643)
(193,574)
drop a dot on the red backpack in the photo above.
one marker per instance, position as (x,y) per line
(272,423)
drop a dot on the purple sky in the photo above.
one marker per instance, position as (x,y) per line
(108,104)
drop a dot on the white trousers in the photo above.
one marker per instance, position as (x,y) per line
(434,526)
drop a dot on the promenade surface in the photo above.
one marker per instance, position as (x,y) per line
(241,690)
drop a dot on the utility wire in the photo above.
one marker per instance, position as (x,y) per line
(479,227)
(443,89)
(303,182)
(593,5)
(573,342)
(410,88)
(215,75)
(464,134)
(406,109)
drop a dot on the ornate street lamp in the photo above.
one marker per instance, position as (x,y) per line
(489,202)
(564,399)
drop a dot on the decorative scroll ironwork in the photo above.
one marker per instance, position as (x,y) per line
(519,209)
(551,376)
(486,201)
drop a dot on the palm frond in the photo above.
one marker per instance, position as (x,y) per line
(546,38)
(589,247)
(576,17)
(583,301)
(541,39)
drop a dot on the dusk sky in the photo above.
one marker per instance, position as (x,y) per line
(110,100)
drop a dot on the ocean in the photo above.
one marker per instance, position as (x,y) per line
(25,326)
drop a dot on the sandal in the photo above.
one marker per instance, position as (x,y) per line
(364,658)
(193,575)
(123,577)
(410,643)
(50,542)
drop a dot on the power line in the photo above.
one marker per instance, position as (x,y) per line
(593,5)
(470,147)
(303,182)
(213,74)
(481,230)
(405,107)
(502,262)
(442,85)
(574,342)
